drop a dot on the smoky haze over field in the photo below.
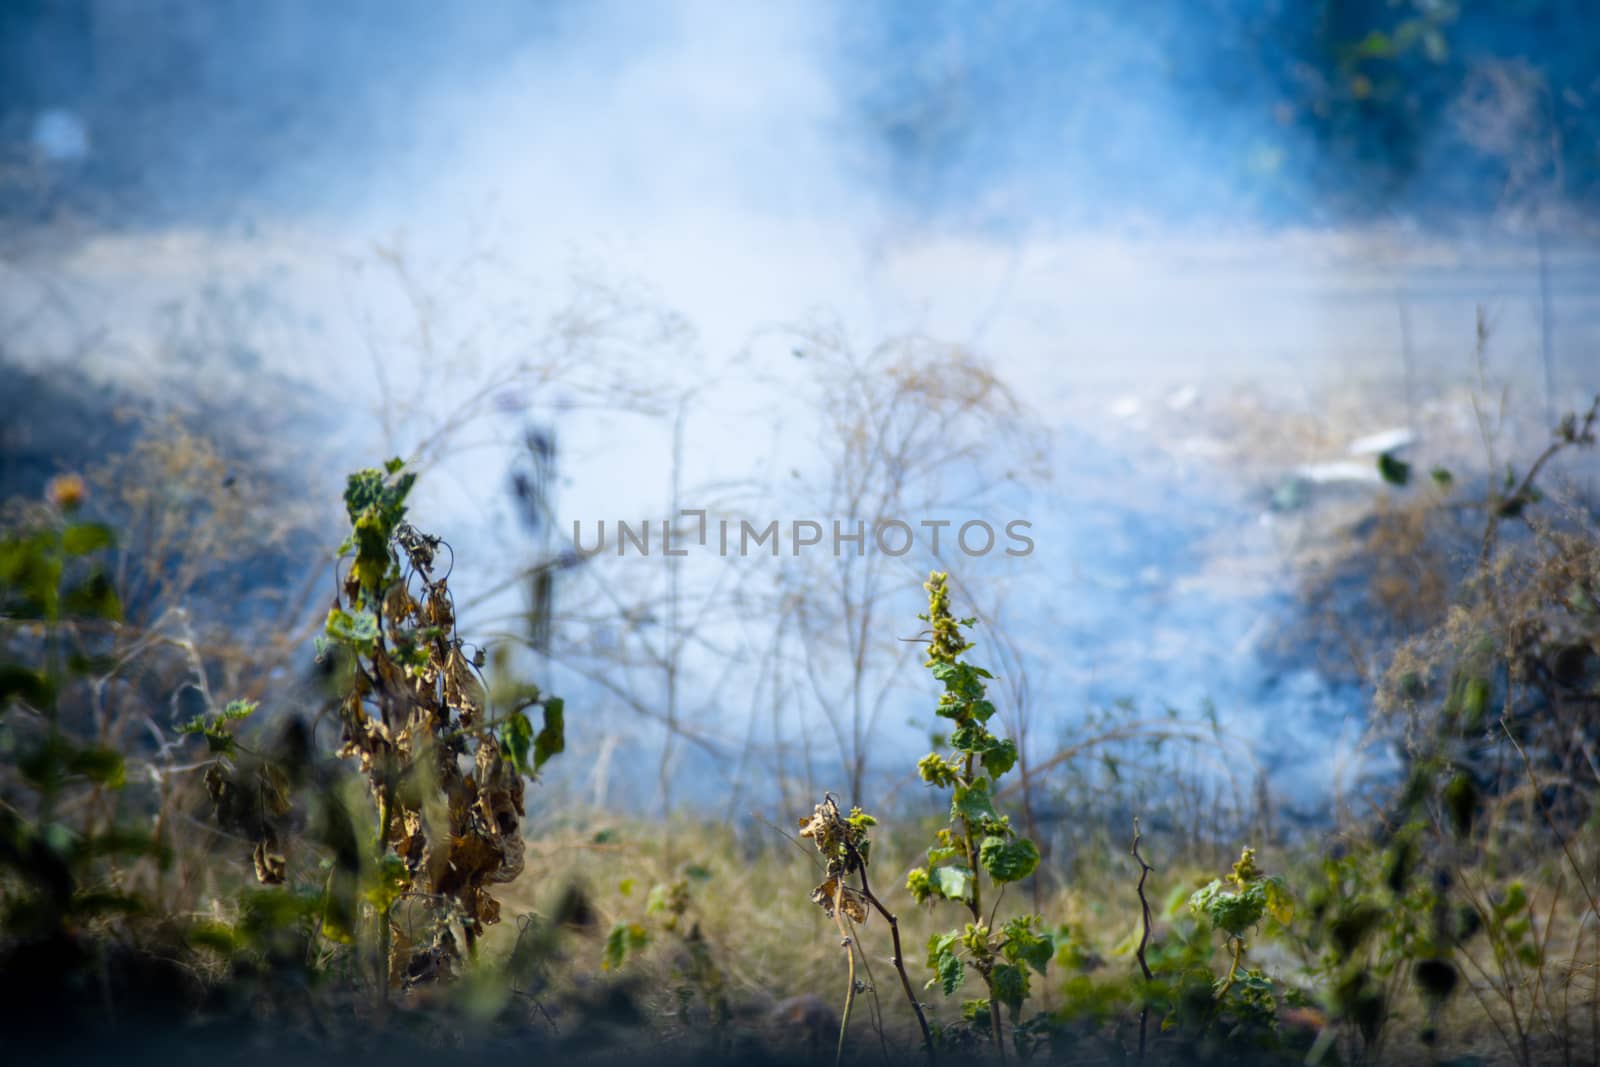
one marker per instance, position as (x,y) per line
(1141,223)
(1007,117)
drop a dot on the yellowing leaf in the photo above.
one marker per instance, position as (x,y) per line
(1280,905)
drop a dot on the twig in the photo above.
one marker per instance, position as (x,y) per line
(877,1005)
(1538,796)
(899,956)
(850,961)
(1144,935)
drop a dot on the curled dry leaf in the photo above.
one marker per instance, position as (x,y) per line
(272,867)
(253,801)
(834,896)
(456,830)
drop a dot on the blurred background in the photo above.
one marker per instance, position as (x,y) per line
(1166,286)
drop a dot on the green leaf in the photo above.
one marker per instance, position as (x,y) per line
(1442,477)
(1024,944)
(30,578)
(1461,802)
(1515,900)
(1279,903)
(239,709)
(1008,861)
(516,740)
(103,766)
(1010,986)
(218,937)
(1375,46)
(1228,909)
(1474,704)
(1000,757)
(84,537)
(972,802)
(358,630)
(19,683)
(372,551)
(552,737)
(953,883)
(371,491)
(385,882)
(951,972)
(939,944)
(1394,471)
(971,737)
(93,598)
(623,940)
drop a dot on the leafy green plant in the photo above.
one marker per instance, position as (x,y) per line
(65,823)
(1237,903)
(977,850)
(694,974)
(58,606)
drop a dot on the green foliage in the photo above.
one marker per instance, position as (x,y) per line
(1394,471)
(1235,905)
(1008,860)
(217,729)
(375,502)
(528,751)
(1240,901)
(977,837)
(624,940)
(65,827)
(696,977)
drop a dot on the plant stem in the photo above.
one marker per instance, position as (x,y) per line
(385,821)
(1233,968)
(1144,935)
(1566,849)
(899,956)
(976,907)
(850,990)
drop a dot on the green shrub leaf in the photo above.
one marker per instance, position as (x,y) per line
(1010,986)
(1008,861)
(973,803)
(104,766)
(84,537)
(552,737)
(1394,471)
(516,740)
(624,940)
(951,972)
(19,683)
(953,883)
